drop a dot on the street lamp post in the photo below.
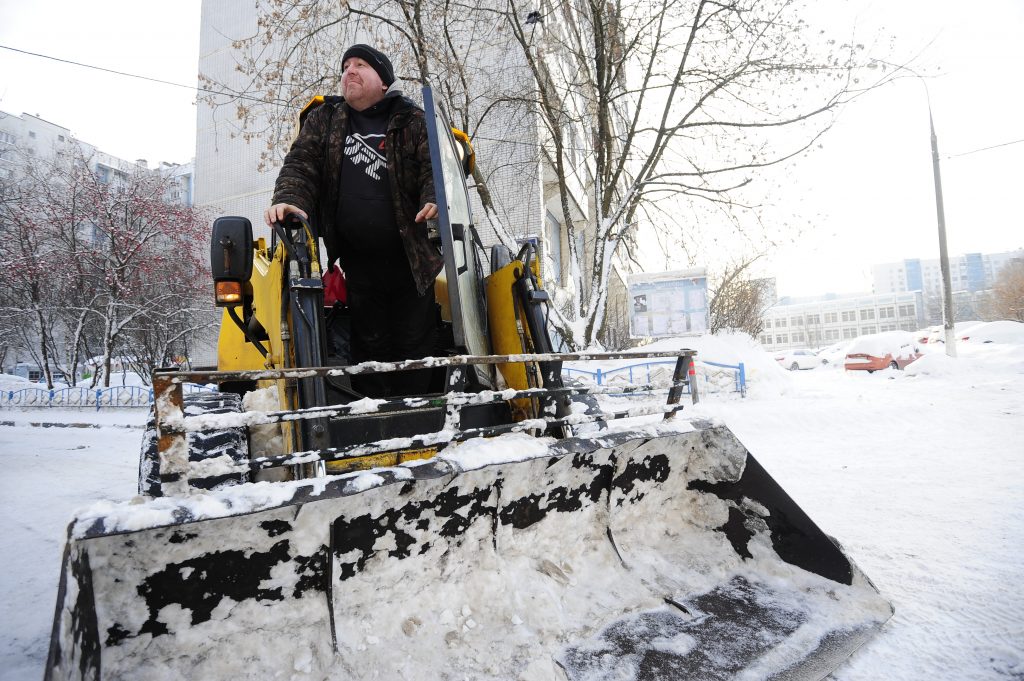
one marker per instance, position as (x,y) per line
(947,291)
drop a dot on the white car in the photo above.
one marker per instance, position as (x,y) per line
(798,359)
(1003,331)
(834,354)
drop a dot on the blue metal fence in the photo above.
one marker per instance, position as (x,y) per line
(142,396)
(117,396)
(647,371)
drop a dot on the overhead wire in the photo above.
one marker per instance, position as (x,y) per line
(132,75)
(975,151)
(236,95)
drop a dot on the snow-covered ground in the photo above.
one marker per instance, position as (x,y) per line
(920,474)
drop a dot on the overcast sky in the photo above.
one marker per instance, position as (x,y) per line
(126,117)
(868,194)
(872,184)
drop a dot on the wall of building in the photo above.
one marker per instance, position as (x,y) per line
(819,323)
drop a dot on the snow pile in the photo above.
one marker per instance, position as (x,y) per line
(921,477)
(265,439)
(895,343)
(479,452)
(1002,331)
(980,361)
(124,378)
(11,382)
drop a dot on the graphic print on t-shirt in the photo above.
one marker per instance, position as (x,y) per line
(366,152)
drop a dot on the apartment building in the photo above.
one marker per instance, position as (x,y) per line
(821,321)
(971,275)
(34,136)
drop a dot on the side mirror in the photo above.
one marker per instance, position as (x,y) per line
(231,249)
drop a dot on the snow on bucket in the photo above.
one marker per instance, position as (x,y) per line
(625,557)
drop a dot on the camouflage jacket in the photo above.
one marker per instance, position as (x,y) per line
(311,174)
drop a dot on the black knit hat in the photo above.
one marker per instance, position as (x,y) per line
(376,59)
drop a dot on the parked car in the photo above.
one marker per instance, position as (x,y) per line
(959,329)
(887,350)
(834,354)
(797,359)
(1003,331)
(925,335)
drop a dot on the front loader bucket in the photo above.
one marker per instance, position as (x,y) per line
(638,555)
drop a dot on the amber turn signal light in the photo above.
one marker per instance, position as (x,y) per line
(228,292)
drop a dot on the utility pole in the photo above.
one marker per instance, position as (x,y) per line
(947,291)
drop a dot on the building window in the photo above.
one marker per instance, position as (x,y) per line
(813,319)
(849,315)
(868,329)
(906,310)
(779,323)
(886,313)
(767,323)
(849,332)
(766,340)
(831,317)
(867,314)
(782,338)
(798,337)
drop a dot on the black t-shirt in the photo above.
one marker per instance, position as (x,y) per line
(366,210)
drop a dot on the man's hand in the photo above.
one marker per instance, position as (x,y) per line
(428,212)
(279,211)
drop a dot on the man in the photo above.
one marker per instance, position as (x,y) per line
(360,167)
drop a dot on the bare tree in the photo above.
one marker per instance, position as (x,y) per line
(29,258)
(680,103)
(96,262)
(1007,299)
(738,301)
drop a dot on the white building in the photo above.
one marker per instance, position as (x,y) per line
(38,137)
(817,322)
(970,274)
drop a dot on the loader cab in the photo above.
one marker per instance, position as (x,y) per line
(279,318)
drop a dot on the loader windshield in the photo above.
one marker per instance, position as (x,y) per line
(459,240)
